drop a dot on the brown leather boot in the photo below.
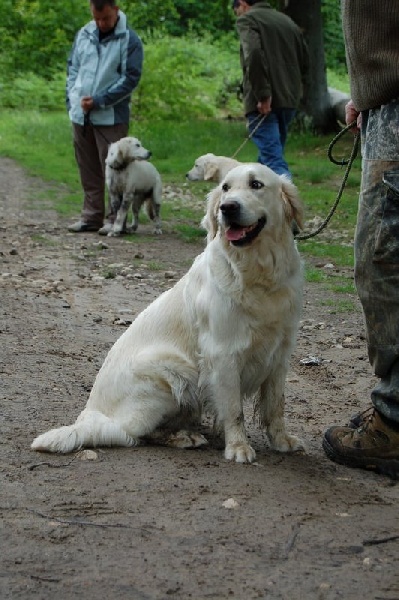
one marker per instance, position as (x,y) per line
(374,445)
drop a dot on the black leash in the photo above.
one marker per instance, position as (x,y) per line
(87,122)
(260,119)
(348,162)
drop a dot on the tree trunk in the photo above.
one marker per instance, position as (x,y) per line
(307,14)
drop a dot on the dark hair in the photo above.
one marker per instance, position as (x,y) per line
(99,4)
(250,2)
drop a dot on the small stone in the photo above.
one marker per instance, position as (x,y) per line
(230,503)
(88,455)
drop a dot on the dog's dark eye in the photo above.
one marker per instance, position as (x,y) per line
(225,187)
(256,185)
(138,146)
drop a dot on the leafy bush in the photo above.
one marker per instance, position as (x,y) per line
(191,64)
(182,78)
(186,77)
(33,92)
(36,35)
(334,47)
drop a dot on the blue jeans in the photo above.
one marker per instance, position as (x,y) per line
(270,138)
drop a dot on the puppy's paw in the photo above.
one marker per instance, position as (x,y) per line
(113,233)
(288,443)
(186,439)
(241,452)
(157,231)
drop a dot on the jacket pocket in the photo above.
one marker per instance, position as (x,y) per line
(387,239)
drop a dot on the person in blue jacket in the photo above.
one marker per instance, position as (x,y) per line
(104,67)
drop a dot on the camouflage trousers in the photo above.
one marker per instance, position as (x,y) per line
(377,251)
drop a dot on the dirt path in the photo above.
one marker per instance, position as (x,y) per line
(153,523)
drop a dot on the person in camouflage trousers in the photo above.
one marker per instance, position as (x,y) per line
(371,30)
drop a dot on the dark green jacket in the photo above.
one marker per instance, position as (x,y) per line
(274,58)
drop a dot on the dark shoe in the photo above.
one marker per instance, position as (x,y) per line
(81,226)
(374,445)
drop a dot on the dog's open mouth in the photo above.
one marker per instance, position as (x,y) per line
(240,236)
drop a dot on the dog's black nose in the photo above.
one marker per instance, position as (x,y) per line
(230,208)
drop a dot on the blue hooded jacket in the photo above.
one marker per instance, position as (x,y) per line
(108,70)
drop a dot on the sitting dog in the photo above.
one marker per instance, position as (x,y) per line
(223,333)
(131,180)
(211,168)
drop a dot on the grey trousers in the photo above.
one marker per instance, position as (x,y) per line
(91,148)
(377,251)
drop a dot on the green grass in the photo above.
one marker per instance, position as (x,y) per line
(340,306)
(41,239)
(343,287)
(335,283)
(339,81)
(42,143)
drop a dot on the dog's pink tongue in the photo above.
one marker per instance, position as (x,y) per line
(235,234)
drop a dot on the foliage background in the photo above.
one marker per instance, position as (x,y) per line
(191,54)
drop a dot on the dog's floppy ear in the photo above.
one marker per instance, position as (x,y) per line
(113,156)
(210,222)
(293,207)
(211,171)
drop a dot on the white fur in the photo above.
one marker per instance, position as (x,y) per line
(209,167)
(131,180)
(224,332)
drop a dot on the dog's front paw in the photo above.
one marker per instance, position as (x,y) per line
(288,443)
(157,231)
(241,452)
(113,233)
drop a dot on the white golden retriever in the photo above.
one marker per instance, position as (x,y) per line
(132,181)
(223,333)
(209,167)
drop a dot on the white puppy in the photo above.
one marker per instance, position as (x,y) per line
(131,180)
(223,333)
(211,168)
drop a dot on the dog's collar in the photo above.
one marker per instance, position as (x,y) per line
(121,166)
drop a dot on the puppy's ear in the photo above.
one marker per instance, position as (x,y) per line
(293,207)
(210,222)
(113,154)
(210,172)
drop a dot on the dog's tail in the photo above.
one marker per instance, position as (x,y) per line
(91,429)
